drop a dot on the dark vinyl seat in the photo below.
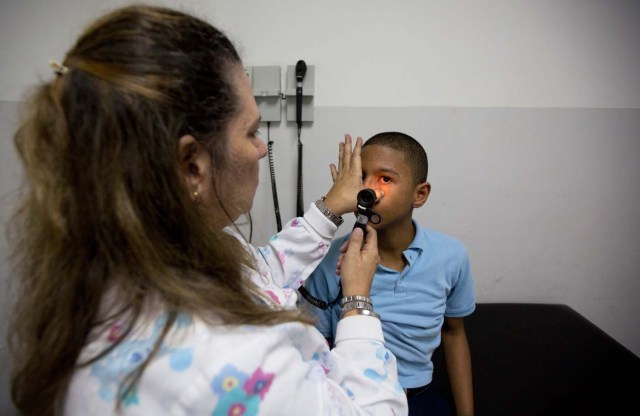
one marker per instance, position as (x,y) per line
(545,359)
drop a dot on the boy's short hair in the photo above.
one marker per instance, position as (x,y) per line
(414,153)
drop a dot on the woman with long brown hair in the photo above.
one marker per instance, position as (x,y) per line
(136,293)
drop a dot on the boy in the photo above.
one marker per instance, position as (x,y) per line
(423,287)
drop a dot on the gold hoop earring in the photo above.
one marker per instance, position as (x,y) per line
(196,196)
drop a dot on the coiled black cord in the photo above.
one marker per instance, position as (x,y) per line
(272,171)
(300,207)
(317,302)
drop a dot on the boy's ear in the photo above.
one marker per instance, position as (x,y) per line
(194,164)
(421,194)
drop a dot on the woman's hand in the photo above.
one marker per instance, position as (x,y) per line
(358,262)
(347,178)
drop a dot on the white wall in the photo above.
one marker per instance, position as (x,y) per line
(491,53)
(529,111)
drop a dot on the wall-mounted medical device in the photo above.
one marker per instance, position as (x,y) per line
(266,84)
(267,90)
(308,91)
(300,88)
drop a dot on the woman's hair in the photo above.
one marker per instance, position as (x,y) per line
(105,208)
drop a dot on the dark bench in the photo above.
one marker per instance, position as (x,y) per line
(545,359)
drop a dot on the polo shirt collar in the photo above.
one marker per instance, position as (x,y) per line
(416,247)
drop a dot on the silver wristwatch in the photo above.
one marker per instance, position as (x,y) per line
(328,213)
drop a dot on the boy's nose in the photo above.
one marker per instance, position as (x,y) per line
(261,147)
(369,183)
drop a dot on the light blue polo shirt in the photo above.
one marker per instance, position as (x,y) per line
(436,283)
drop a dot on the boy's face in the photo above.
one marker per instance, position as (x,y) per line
(385,168)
